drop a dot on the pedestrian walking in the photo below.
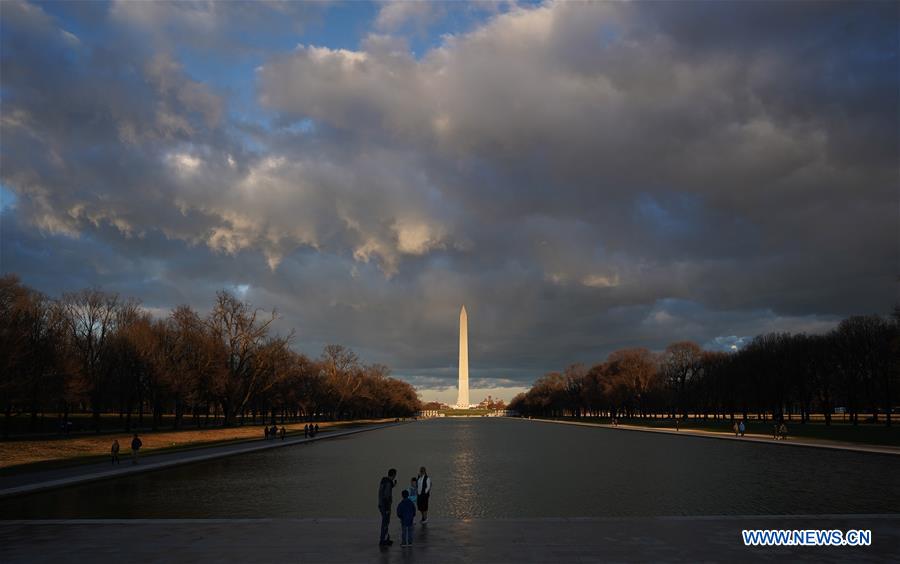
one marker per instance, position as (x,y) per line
(282,432)
(424,493)
(266,432)
(317,428)
(734,427)
(306,431)
(136,444)
(114,451)
(742,427)
(385,501)
(782,430)
(406,511)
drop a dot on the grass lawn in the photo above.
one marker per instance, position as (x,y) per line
(838,431)
(29,455)
(465,412)
(20,426)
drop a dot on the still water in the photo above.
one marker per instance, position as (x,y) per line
(497,468)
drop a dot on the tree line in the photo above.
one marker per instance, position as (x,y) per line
(97,352)
(853,369)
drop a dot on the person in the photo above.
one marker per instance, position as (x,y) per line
(385,501)
(413,489)
(424,493)
(782,430)
(775,429)
(734,427)
(406,511)
(266,431)
(115,451)
(282,432)
(306,430)
(136,445)
(317,428)
(742,427)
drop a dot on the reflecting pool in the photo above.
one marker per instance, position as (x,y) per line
(497,468)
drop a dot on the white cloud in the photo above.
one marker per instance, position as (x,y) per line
(600,280)
(395,14)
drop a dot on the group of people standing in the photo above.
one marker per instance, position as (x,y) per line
(309,430)
(136,444)
(779,430)
(273,432)
(414,497)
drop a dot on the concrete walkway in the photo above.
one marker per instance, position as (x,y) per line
(666,539)
(29,482)
(765,439)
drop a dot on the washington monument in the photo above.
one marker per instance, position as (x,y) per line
(463,401)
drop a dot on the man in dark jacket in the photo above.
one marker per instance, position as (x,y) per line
(385,500)
(136,445)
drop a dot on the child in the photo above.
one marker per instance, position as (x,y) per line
(406,511)
(413,489)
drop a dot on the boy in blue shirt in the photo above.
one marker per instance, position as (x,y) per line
(413,488)
(406,511)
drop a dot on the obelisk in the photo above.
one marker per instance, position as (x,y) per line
(463,401)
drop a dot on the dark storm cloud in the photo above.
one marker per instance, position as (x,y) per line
(583,176)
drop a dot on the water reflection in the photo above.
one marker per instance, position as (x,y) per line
(497,468)
(462,499)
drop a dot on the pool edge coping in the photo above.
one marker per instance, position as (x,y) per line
(868,449)
(153,466)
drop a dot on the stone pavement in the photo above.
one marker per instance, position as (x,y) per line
(765,439)
(664,539)
(29,482)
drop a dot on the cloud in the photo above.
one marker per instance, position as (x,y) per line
(583,176)
(580,114)
(214,27)
(395,14)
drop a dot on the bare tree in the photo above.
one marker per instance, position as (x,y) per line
(340,367)
(187,352)
(91,318)
(575,375)
(248,353)
(681,362)
(30,352)
(637,374)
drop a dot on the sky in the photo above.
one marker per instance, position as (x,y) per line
(584,177)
